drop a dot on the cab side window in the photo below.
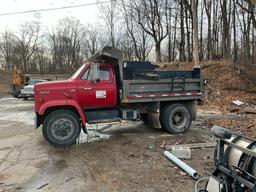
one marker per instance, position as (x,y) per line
(86,74)
(104,73)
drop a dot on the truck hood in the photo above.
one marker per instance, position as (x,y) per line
(52,85)
(51,90)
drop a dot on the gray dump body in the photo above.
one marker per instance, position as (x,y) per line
(161,90)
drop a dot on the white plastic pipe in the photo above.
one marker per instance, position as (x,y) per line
(182,165)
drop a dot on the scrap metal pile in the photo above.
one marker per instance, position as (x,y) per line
(235,163)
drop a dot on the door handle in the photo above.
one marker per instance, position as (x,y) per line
(87,88)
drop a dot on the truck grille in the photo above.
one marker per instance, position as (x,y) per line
(28,89)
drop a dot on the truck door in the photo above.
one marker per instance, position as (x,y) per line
(101,94)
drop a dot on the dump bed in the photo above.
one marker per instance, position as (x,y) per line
(176,87)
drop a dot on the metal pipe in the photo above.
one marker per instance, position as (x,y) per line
(182,165)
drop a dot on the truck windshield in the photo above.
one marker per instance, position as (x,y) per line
(79,70)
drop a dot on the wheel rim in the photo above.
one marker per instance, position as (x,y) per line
(178,120)
(62,129)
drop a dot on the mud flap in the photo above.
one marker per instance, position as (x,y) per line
(35,122)
(153,120)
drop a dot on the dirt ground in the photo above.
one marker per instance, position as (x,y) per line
(130,160)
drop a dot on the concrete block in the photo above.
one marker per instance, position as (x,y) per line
(181,152)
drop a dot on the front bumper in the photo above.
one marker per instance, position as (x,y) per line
(28,95)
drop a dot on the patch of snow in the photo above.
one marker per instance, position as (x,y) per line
(91,136)
(7,98)
(21,117)
(237,102)
(13,109)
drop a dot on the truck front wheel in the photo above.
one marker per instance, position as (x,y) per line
(61,127)
(176,118)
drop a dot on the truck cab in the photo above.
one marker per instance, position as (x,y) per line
(108,89)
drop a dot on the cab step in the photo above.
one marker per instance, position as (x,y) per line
(102,116)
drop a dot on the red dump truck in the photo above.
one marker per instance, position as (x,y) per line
(108,89)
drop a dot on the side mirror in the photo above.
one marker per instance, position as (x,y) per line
(95,72)
(97,80)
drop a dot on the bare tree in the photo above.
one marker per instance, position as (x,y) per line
(152,17)
(201,43)
(7,49)
(91,39)
(25,43)
(251,9)
(182,53)
(195,34)
(235,52)
(65,42)
(174,38)
(40,59)
(226,14)
(141,41)
(110,15)
(208,10)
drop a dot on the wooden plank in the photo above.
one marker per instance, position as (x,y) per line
(194,145)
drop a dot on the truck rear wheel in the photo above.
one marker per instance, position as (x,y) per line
(61,127)
(176,118)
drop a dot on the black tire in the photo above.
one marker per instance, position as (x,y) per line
(25,98)
(61,127)
(175,118)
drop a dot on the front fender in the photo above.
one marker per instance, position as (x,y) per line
(63,103)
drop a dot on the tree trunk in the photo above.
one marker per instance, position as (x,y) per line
(253,46)
(182,33)
(174,39)
(208,10)
(158,51)
(201,33)
(215,37)
(195,34)
(234,33)
(188,36)
(169,37)
(225,28)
